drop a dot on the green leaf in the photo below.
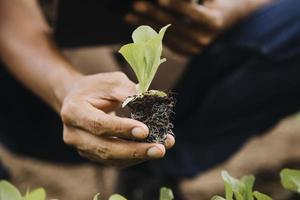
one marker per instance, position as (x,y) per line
(217,198)
(231,186)
(228,191)
(143,34)
(144,54)
(9,192)
(261,196)
(240,189)
(166,194)
(37,194)
(248,182)
(290,179)
(116,197)
(97,196)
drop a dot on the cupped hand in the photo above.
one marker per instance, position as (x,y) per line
(99,135)
(194,25)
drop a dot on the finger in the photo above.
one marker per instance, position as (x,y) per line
(93,120)
(176,43)
(196,34)
(170,141)
(195,12)
(126,88)
(182,46)
(120,86)
(112,148)
(106,105)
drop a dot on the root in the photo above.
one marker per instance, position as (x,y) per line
(154,111)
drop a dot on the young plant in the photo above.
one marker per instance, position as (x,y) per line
(151,107)
(10,192)
(164,194)
(290,179)
(240,189)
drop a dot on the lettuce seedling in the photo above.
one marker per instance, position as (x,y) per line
(144,54)
(240,189)
(290,179)
(10,192)
(166,194)
(150,107)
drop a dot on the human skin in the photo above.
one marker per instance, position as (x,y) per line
(83,102)
(194,26)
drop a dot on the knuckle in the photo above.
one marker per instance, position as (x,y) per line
(103,152)
(118,126)
(96,125)
(135,154)
(67,112)
(217,22)
(64,113)
(68,138)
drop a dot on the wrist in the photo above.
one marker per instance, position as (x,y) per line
(62,80)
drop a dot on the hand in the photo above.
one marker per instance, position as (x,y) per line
(194,25)
(98,135)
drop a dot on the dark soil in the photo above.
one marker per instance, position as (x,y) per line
(154,111)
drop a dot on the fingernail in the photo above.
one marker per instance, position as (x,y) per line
(154,152)
(139,132)
(141,7)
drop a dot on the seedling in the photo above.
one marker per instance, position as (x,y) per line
(10,192)
(290,179)
(240,189)
(151,107)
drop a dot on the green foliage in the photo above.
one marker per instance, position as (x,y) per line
(234,189)
(97,196)
(261,196)
(144,54)
(117,197)
(290,179)
(166,194)
(217,198)
(10,192)
(240,189)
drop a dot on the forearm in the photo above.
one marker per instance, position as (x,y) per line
(29,53)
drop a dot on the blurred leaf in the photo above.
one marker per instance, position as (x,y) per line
(9,192)
(217,198)
(97,196)
(116,197)
(248,182)
(231,186)
(166,194)
(261,196)
(144,54)
(228,191)
(290,179)
(238,189)
(37,194)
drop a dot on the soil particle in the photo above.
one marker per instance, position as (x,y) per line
(154,111)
